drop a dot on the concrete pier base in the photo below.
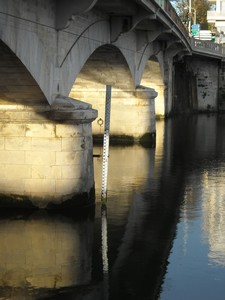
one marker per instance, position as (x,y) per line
(46,155)
(133,117)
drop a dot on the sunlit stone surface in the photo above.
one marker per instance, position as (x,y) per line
(46,153)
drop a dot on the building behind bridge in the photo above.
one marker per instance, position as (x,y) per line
(216,17)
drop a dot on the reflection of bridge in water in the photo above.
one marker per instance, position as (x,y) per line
(153,216)
(54,252)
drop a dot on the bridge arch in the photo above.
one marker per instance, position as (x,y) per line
(130,108)
(35,139)
(31,50)
(53,57)
(74,51)
(106,66)
(17,85)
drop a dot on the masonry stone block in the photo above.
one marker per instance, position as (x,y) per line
(12,157)
(40,130)
(15,143)
(70,172)
(69,131)
(2,143)
(12,129)
(42,172)
(40,158)
(68,158)
(17,171)
(76,143)
(41,144)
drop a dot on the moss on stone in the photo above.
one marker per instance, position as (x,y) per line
(23,202)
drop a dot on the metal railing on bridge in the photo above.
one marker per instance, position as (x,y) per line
(207,47)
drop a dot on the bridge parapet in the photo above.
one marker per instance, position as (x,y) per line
(207,47)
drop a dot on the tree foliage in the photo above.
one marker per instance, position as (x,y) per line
(201,7)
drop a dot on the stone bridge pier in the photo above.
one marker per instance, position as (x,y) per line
(45,150)
(199,85)
(56,59)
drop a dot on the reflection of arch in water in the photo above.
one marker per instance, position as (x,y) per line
(150,230)
(44,252)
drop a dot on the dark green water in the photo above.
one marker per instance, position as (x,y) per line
(161,235)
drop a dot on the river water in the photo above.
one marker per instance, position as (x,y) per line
(160,236)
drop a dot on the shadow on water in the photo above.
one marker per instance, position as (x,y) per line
(46,255)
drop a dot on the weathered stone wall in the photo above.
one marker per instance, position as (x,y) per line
(196,85)
(206,72)
(185,90)
(221,92)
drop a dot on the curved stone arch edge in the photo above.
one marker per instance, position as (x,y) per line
(84,44)
(144,58)
(130,61)
(49,81)
(39,74)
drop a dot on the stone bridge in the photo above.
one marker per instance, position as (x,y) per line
(56,51)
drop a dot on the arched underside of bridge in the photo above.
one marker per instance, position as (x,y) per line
(152,77)
(45,151)
(17,86)
(132,108)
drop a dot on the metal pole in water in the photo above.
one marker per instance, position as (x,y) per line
(104,239)
(106,143)
(105,252)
